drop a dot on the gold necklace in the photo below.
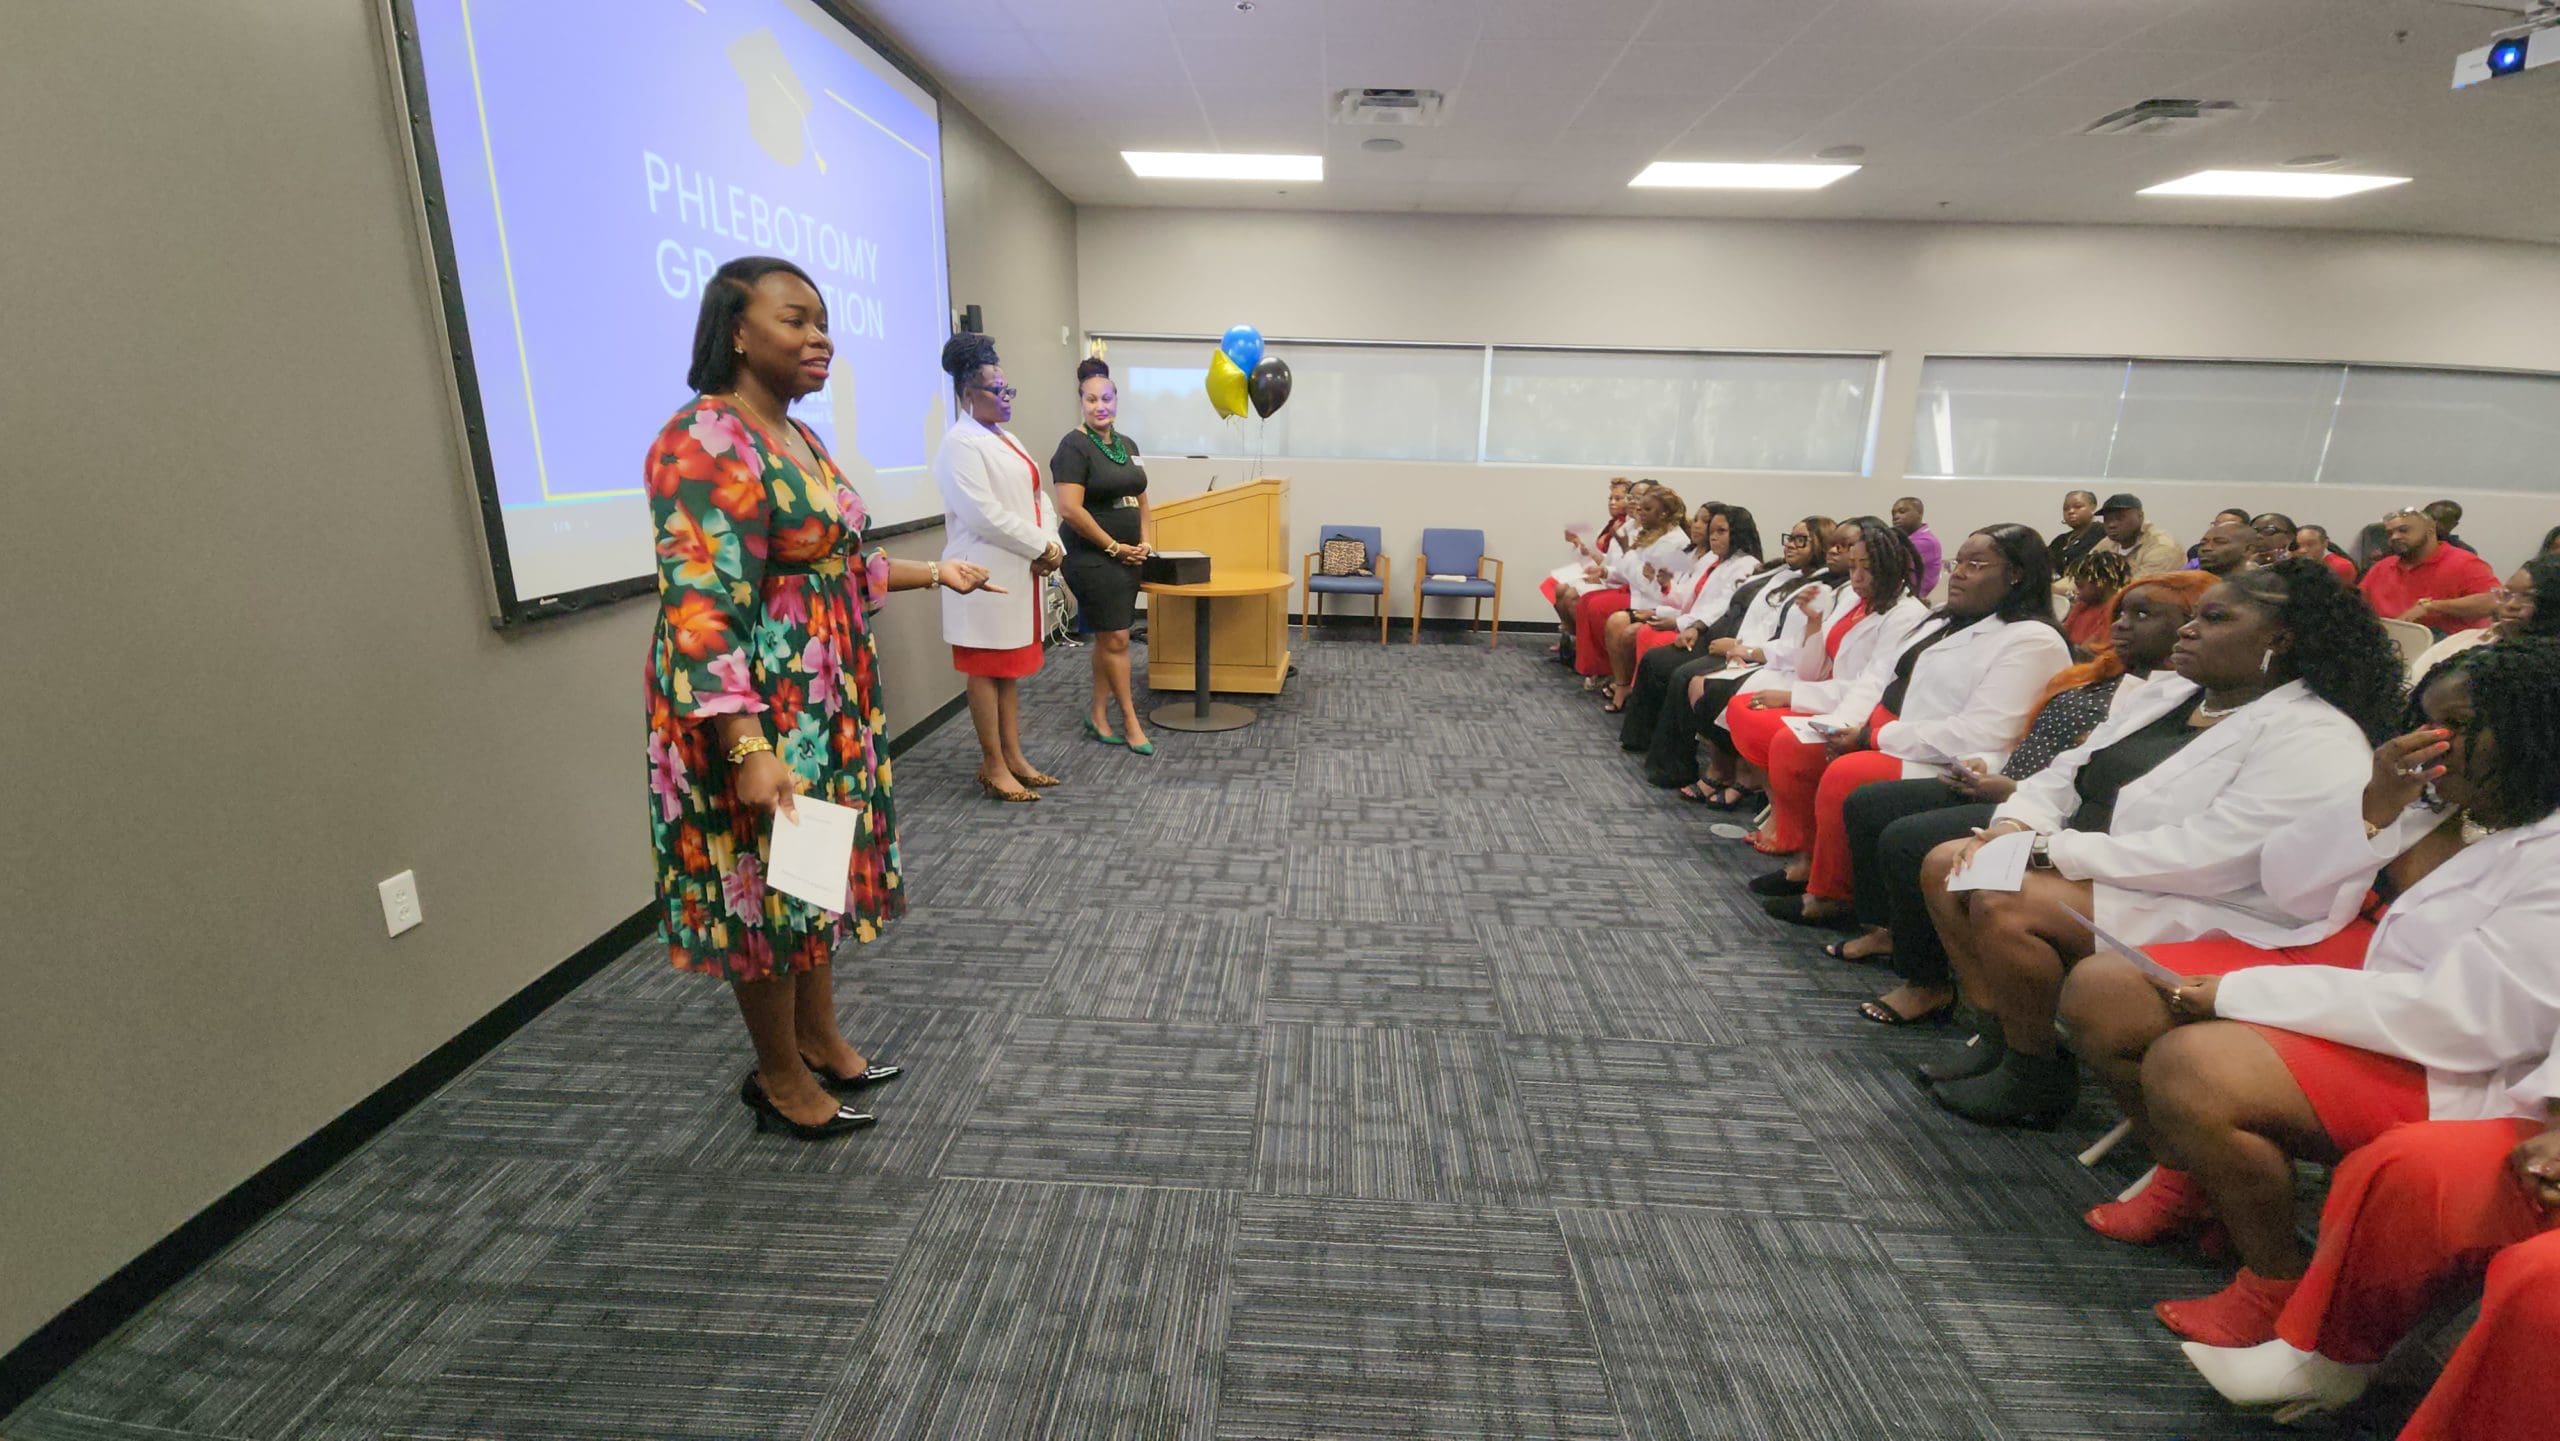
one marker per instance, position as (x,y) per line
(786,435)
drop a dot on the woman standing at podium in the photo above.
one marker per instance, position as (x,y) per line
(1102,497)
(994,516)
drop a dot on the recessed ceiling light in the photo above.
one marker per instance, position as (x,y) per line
(1733,175)
(1842,152)
(2275,184)
(1382,144)
(1180,165)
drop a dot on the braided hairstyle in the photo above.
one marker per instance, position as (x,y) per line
(2544,571)
(2513,760)
(2339,648)
(2111,570)
(1890,559)
(966,354)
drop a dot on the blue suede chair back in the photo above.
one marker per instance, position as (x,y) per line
(1452,552)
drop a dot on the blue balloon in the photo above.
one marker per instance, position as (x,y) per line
(1243,345)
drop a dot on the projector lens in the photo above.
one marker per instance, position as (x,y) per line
(2506,58)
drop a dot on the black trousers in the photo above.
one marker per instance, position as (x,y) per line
(1652,693)
(1892,826)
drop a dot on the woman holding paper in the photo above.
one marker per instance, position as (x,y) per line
(1592,551)
(1726,550)
(2156,825)
(763,686)
(2458,995)
(994,517)
(1635,576)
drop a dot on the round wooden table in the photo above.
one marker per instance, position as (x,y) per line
(1204,714)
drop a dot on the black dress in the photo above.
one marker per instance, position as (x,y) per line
(1106,591)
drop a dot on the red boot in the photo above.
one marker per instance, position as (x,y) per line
(2164,1205)
(2240,1314)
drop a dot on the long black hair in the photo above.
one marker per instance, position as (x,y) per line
(715,325)
(2339,648)
(2030,597)
(2544,571)
(1890,559)
(1817,530)
(2515,707)
(1745,531)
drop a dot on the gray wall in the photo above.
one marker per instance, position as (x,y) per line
(249,655)
(1905,290)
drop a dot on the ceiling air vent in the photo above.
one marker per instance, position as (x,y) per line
(1387,107)
(2170,117)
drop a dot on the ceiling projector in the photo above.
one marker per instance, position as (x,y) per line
(2530,46)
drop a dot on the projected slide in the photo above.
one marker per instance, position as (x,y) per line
(597,160)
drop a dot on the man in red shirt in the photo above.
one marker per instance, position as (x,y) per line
(2427,581)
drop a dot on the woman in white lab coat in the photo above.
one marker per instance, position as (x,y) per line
(1632,576)
(1783,622)
(2157,823)
(1564,585)
(2457,1000)
(994,516)
(1726,541)
(1961,685)
(1661,720)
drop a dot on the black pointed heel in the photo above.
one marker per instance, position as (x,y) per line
(769,1116)
(872,1075)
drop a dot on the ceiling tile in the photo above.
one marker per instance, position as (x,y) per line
(1685,68)
(1747,22)
(1506,65)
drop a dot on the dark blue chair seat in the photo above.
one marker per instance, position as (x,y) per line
(1373,585)
(1456,552)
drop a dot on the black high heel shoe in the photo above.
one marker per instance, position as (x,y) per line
(872,1075)
(769,1116)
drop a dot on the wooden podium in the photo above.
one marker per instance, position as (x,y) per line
(1243,529)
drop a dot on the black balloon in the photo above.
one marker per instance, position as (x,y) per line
(1268,386)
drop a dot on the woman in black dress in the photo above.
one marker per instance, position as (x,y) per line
(1102,498)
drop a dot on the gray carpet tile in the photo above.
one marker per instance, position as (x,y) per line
(1388,1320)
(1399,1066)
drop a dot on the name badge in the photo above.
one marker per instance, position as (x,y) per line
(1138,460)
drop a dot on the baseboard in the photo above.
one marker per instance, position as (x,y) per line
(1403,624)
(116,1300)
(907,739)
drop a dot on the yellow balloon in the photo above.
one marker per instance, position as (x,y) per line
(1226,387)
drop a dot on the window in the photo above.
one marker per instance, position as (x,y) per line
(1660,409)
(2132,420)
(1681,410)
(1376,402)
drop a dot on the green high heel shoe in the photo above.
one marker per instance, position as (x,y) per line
(1140,748)
(1096,732)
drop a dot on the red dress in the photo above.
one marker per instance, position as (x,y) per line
(1015,662)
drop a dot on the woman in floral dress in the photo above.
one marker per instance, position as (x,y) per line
(764,685)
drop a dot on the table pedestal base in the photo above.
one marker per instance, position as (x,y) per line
(1189,716)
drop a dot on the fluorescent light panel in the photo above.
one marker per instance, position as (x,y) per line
(1186,165)
(1734,175)
(2275,184)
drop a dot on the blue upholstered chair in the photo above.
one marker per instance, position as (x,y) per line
(1374,585)
(1457,552)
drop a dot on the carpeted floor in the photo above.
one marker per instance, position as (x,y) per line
(1399,1066)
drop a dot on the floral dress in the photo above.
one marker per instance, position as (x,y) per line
(764,601)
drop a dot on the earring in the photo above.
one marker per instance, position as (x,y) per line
(738,349)
(2267,662)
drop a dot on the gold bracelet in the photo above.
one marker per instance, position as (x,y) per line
(748,747)
(933,578)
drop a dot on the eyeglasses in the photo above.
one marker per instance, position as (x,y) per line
(1000,392)
(1797,537)
(2504,596)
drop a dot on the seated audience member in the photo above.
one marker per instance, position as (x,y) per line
(2093,601)
(2312,542)
(2224,551)
(1878,613)
(1907,518)
(1816,628)
(1959,685)
(2373,545)
(1657,720)
(2080,533)
(2410,1219)
(2447,514)
(1893,827)
(2146,548)
(2155,825)
(2227,516)
(1657,537)
(1563,586)
(2458,996)
(2516,615)
(1730,552)
(2275,533)
(2427,581)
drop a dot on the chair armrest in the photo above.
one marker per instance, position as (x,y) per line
(1486,560)
(1386,563)
(1306,571)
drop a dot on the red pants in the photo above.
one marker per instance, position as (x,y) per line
(1830,878)
(2420,1210)
(1802,796)
(1590,623)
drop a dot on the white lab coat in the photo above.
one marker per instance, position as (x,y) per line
(1875,638)
(2181,859)
(2461,977)
(1969,694)
(995,516)
(1702,600)
(1667,551)
(1791,633)
(1571,575)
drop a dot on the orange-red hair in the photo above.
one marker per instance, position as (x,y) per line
(2187,585)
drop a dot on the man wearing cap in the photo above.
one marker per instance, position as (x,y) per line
(2439,586)
(2145,547)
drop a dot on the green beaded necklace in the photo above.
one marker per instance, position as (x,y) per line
(1119,456)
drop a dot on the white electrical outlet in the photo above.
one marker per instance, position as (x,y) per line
(400,909)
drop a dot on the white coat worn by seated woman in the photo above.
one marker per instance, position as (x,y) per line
(994,516)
